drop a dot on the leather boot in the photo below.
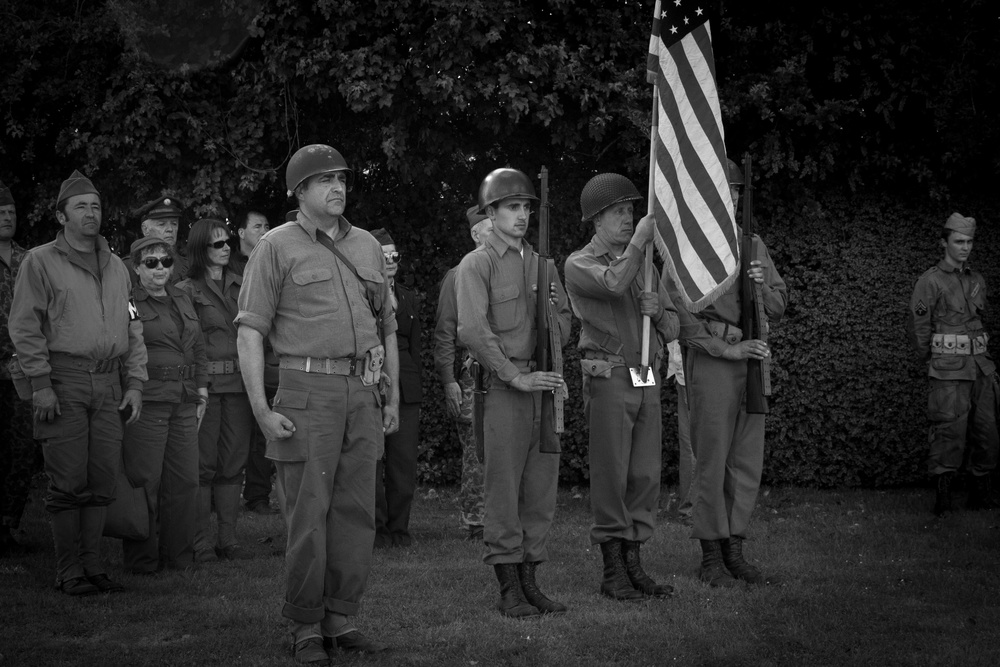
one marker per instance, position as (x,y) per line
(979,494)
(732,558)
(637,576)
(227,510)
(942,501)
(203,551)
(534,595)
(713,571)
(616,584)
(512,602)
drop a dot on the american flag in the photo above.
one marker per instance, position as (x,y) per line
(693,208)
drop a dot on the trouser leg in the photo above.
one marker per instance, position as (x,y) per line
(508,425)
(18,455)
(687,455)
(66,538)
(178,498)
(471,492)
(948,406)
(983,437)
(143,456)
(91,531)
(227,509)
(401,469)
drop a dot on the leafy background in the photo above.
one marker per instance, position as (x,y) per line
(869,122)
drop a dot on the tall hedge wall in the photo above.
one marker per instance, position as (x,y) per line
(849,394)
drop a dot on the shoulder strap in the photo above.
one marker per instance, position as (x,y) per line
(327,242)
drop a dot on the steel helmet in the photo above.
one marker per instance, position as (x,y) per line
(605,190)
(503,183)
(315,159)
(735,174)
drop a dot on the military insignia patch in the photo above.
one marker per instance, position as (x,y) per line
(133,312)
(920,309)
(975,289)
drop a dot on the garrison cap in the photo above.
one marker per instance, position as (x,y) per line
(147,241)
(76,184)
(382,236)
(5,197)
(959,223)
(474,216)
(160,209)
(292,215)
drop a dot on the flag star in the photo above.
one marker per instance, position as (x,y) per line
(677,3)
(699,11)
(673,30)
(686,20)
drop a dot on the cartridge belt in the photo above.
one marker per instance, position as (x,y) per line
(64,360)
(171,372)
(960,344)
(223,367)
(604,356)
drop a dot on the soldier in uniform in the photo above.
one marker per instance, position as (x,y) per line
(396,474)
(162,218)
(451,364)
(496,322)
(728,443)
(946,328)
(251,225)
(606,287)
(317,287)
(18,451)
(70,324)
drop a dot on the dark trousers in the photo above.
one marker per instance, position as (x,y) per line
(396,474)
(19,455)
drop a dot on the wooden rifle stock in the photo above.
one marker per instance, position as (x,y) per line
(548,347)
(753,319)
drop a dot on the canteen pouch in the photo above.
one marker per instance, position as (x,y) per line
(372,371)
(22,385)
(597,368)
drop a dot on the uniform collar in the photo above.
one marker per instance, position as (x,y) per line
(948,268)
(311,227)
(501,246)
(600,247)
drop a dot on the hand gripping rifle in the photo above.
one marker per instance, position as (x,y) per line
(753,320)
(548,344)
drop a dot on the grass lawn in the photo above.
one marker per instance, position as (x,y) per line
(869,578)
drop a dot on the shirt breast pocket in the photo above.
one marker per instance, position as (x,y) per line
(503,308)
(208,315)
(312,297)
(373,284)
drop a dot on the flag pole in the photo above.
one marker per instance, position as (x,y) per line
(644,369)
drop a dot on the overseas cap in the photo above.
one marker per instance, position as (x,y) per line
(161,209)
(382,236)
(147,241)
(959,223)
(76,184)
(474,216)
(5,197)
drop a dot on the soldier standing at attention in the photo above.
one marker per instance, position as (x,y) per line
(947,330)
(317,288)
(17,447)
(70,324)
(450,361)
(496,322)
(605,285)
(728,442)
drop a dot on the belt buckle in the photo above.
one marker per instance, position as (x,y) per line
(354,365)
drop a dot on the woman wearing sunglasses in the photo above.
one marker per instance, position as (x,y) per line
(225,432)
(160,449)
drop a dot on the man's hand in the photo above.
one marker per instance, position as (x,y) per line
(649,304)
(390,419)
(537,381)
(748,349)
(133,398)
(756,272)
(643,233)
(45,404)
(553,293)
(453,399)
(275,426)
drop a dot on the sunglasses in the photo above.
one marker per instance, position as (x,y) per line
(153,262)
(219,245)
(392,256)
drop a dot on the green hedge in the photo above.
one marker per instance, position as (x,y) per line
(849,395)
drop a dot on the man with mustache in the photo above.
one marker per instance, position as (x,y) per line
(317,287)
(947,331)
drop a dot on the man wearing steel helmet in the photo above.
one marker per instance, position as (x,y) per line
(606,287)
(496,306)
(946,329)
(728,442)
(317,288)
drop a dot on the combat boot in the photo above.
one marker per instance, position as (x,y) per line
(943,503)
(732,558)
(980,494)
(616,584)
(637,576)
(534,595)
(713,571)
(512,602)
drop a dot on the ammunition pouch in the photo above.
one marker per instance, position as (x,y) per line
(727,332)
(960,344)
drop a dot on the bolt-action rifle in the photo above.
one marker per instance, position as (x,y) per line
(548,343)
(753,319)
